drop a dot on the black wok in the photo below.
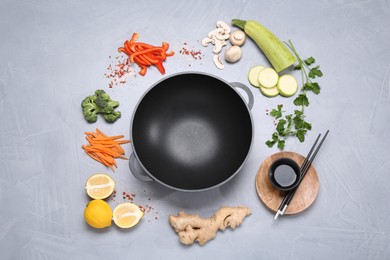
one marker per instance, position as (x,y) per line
(191,132)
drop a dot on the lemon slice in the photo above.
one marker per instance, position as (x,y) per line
(127,215)
(100,186)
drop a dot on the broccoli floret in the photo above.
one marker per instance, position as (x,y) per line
(101,103)
(112,117)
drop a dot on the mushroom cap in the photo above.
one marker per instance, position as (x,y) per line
(233,54)
(237,37)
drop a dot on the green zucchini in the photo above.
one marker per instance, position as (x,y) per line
(276,52)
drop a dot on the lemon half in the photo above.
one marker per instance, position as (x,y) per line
(127,215)
(100,186)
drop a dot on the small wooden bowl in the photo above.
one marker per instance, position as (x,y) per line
(272,197)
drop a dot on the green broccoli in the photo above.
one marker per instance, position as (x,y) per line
(100,103)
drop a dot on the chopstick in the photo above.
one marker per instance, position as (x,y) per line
(304,169)
(280,209)
(304,173)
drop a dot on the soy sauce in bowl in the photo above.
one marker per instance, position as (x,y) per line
(284,174)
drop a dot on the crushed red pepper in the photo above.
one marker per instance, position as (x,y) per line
(118,71)
(197,55)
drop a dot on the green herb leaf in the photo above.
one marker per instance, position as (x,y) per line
(298,112)
(315,72)
(307,126)
(298,67)
(280,127)
(289,122)
(270,143)
(276,113)
(301,135)
(281,144)
(312,86)
(299,122)
(309,61)
(301,100)
(275,139)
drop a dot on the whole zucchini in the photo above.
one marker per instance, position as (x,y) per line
(275,51)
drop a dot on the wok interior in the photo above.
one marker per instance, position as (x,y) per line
(192,131)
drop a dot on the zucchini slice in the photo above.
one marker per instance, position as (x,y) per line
(287,85)
(268,78)
(269,92)
(253,75)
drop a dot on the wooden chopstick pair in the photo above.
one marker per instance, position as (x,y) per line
(304,169)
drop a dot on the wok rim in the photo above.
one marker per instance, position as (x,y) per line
(166,184)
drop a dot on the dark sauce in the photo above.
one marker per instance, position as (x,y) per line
(285,175)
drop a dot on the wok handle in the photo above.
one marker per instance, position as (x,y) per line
(137,170)
(247,91)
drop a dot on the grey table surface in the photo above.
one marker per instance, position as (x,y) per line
(54,53)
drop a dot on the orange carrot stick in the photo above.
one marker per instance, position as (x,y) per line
(105,149)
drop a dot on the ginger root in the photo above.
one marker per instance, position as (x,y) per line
(192,227)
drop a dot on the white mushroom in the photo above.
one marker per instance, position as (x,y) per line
(214,32)
(206,41)
(226,28)
(237,38)
(222,37)
(218,62)
(233,54)
(218,46)
(218,38)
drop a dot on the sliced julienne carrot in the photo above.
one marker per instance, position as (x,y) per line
(105,149)
(145,55)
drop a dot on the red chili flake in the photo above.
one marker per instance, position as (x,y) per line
(197,55)
(113,195)
(145,208)
(118,71)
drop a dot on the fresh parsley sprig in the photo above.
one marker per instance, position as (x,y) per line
(294,124)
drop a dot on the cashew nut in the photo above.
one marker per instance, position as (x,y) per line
(237,37)
(218,62)
(233,54)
